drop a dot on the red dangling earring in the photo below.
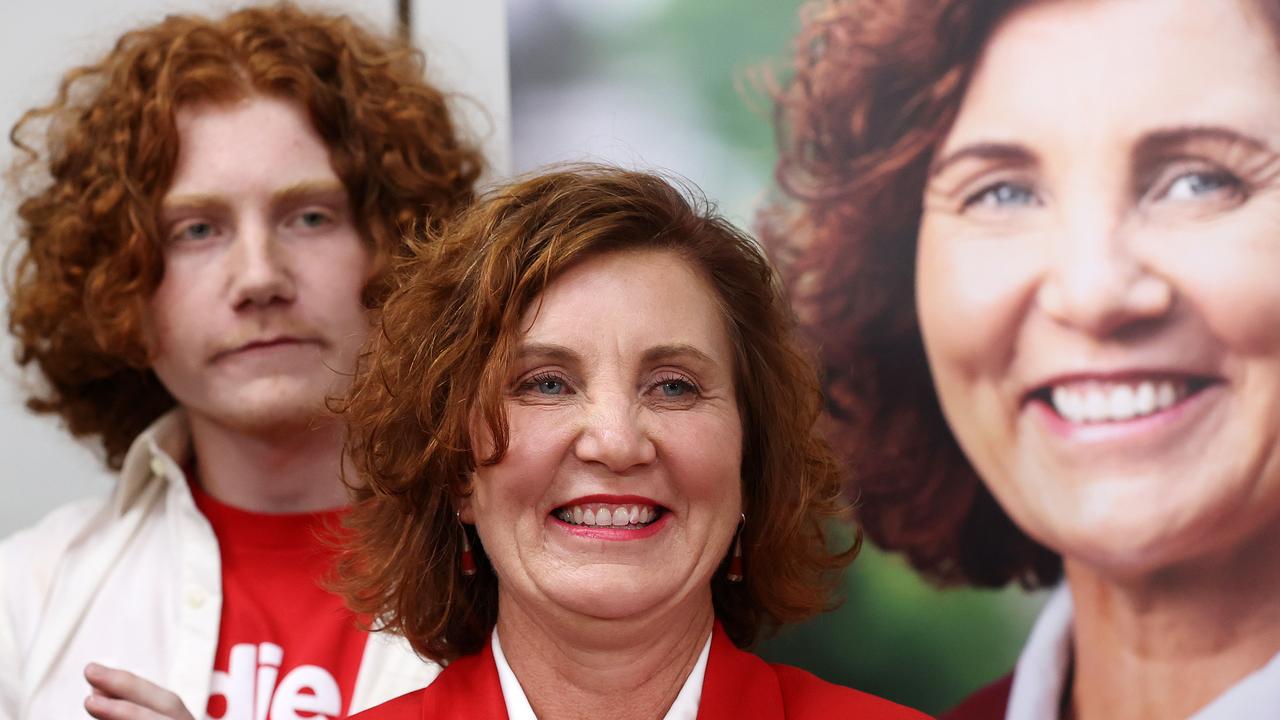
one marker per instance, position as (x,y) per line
(468,558)
(735,574)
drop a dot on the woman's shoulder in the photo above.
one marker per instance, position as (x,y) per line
(807,695)
(467,688)
(406,706)
(740,684)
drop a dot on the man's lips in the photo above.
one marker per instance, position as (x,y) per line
(265,344)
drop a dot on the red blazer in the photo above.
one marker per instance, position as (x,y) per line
(989,703)
(737,685)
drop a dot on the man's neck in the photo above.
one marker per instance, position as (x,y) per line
(285,471)
(572,668)
(1167,645)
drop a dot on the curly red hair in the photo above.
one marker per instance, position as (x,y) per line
(875,88)
(441,359)
(89,254)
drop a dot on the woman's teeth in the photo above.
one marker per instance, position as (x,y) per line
(607,515)
(1098,402)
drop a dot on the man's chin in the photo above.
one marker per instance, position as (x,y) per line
(267,415)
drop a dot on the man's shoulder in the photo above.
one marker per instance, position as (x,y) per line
(55,530)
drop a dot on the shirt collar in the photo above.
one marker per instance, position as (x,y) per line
(158,452)
(685,706)
(1041,674)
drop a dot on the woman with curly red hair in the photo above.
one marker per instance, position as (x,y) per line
(588,469)
(208,213)
(1038,241)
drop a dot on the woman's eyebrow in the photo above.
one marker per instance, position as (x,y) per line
(1000,152)
(1163,140)
(546,351)
(676,351)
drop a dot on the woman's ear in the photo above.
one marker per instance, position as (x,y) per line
(463,504)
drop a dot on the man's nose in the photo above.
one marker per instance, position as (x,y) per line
(259,273)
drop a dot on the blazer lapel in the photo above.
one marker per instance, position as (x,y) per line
(738,684)
(468,688)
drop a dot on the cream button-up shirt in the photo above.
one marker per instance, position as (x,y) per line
(133,580)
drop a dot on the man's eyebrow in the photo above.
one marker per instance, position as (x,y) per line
(1004,153)
(675,351)
(194,201)
(1164,140)
(309,190)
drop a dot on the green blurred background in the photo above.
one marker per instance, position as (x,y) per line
(679,85)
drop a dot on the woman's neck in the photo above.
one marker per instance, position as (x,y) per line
(577,667)
(1166,644)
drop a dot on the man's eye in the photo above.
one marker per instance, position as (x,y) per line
(194,231)
(314,219)
(1002,194)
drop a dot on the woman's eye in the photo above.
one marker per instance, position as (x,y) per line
(674,388)
(549,385)
(1200,184)
(1002,194)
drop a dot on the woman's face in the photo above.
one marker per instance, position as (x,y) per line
(620,489)
(1098,278)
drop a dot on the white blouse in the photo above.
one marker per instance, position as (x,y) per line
(1041,674)
(685,706)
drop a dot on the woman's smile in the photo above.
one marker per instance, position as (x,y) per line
(603,517)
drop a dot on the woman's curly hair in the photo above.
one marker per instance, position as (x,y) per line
(441,360)
(96,162)
(876,86)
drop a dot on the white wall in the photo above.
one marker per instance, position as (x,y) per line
(465,42)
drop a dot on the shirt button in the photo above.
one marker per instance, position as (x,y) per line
(196,597)
(157,467)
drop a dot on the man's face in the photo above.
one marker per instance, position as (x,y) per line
(258,316)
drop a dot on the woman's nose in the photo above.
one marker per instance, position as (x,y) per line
(615,435)
(1097,283)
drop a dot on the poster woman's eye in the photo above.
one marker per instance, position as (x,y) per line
(1003,194)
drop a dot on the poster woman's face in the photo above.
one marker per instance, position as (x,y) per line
(1098,278)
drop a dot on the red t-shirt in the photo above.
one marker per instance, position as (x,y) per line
(287,648)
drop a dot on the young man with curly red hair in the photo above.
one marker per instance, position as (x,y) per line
(216,202)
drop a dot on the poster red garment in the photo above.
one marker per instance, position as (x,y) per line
(287,647)
(738,685)
(989,703)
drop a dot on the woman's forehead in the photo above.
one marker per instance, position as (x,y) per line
(1119,69)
